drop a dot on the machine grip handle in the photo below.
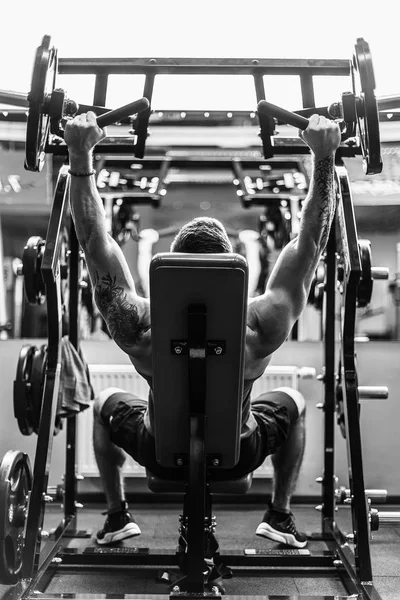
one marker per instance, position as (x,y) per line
(282,114)
(14,98)
(116,115)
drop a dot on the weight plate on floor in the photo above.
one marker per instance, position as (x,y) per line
(15,486)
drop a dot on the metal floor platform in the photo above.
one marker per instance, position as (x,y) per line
(235,530)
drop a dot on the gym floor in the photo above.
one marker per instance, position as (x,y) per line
(235,529)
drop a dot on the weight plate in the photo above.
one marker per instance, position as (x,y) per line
(22,392)
(364,64)
(42,85)
(316,295)
(364,291)
(39,362)
(367,108)
(340,409)
(15,486)
(35,289)
(64,275)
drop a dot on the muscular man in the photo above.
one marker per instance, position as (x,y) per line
(272,423)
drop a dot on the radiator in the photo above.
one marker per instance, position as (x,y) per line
(125,377)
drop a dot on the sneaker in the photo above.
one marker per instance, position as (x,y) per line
(119,525)
(280,527)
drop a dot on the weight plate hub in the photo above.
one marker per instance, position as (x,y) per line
(15,486)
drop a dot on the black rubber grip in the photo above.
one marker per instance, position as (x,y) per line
(283,115)
(123,112)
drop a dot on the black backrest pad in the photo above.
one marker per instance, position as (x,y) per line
(218,282)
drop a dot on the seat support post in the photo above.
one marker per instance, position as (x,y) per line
(197,346)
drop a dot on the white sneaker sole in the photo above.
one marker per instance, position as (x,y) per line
(130,530)
(265,530)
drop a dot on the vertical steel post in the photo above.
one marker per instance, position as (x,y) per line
(328,484)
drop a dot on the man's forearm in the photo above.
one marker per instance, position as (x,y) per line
(297,262)
(86,205)
(319,207)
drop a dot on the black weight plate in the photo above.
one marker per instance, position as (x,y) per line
(364,291)
(64,274)
(38,124)
(367,108)
(31,269)
(316,295)
(373,163)
(364,64)
(339,401)
(21,391)
(15,485)
(340,410)
(39,362)
(64,263)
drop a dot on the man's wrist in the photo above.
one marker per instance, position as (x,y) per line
(81,162)
(323,156)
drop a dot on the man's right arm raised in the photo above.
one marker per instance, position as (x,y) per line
(127,315)
(273,314)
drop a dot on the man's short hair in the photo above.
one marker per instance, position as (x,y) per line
(202,235)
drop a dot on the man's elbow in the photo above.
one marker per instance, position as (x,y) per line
(96,245)
(299,303)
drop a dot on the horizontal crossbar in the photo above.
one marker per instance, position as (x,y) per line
(124,145)
(203,66)
(237,558)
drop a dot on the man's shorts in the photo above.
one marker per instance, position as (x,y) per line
(274,411)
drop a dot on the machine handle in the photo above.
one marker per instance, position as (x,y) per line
(388,102)
(14,98)
(282,114)
(116,115)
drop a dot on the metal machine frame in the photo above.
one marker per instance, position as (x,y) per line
(353,566)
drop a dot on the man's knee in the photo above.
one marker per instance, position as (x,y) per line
(102,398)
(297,398)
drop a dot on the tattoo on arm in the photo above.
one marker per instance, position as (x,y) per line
(324,178)
(121,316)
